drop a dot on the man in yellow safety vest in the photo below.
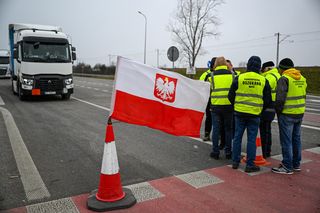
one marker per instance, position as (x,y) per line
(250,93)
(272,75)
(208,120)
(221,108)
(290,107)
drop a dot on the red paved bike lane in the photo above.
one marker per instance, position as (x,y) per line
(229,191)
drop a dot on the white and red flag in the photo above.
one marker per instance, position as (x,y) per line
(159,99)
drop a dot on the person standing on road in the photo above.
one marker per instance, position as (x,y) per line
(208,120)
(290,107)
(250,93)
(272,75)
(221,108)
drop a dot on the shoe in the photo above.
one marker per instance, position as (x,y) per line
(229,156)
(221,146)
(282,170)
(235,165)
(214,156)
(206,138)
(250,169)
(297,169)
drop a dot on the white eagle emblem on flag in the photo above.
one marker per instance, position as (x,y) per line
(165,88)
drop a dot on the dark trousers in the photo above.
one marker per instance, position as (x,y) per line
(266,137)
(222,135)
(208,121)
(217,118)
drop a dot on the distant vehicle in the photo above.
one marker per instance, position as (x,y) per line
(41,60)
(4,64)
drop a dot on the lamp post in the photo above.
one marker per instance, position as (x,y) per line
(145,34)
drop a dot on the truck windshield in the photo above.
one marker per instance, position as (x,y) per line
(46,52)
(4,60)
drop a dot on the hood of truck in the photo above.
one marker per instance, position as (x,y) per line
(32,68)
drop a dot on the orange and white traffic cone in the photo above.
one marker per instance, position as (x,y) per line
(110,194)
(259,161)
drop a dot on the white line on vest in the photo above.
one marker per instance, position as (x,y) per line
(313,100)
(32,182)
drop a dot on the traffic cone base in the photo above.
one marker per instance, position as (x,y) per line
(100,206)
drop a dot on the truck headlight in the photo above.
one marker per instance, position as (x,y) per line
(68,81)
(27,81)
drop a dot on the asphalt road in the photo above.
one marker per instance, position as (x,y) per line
(61,145)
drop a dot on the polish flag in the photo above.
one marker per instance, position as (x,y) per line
(159,99)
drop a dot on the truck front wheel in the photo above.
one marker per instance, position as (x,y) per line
(66,96)
(20,94)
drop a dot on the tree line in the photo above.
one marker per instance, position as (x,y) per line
(99,69)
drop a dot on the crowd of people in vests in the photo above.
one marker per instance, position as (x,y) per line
(248,102)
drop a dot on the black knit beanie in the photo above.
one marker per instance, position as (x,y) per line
(286,63)
(254,64)
(267,64)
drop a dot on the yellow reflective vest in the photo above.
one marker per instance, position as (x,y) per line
(296,97)
(249,95)
(204,75)
(220,87)
(272,76)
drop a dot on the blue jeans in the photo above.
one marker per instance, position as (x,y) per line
(217,119)
(252,126)
(290,140)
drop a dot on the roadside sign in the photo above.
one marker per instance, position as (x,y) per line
(173,53)
(191,71)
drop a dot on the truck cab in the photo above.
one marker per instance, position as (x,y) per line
(4,64)
(41,60)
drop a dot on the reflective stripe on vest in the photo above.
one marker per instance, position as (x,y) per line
(296,96)
(249,95)
(221,85)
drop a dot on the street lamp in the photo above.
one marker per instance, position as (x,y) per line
(145,35)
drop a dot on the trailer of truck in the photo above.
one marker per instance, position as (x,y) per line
(41,61)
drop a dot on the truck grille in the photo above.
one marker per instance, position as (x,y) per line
(3,71)
(50,84)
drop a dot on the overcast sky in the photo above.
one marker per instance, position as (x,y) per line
(101,29)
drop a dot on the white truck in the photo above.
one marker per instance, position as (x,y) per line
(41,60)
(4,64)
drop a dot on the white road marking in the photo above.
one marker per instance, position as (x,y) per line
(92,104)
(1,101)
(32,182)
(61,205)
(312,109)
(313,96)
(304,126)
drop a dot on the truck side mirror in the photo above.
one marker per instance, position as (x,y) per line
(74,56)
(15,53)
(73,49)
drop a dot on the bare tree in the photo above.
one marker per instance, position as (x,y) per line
(193,22)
